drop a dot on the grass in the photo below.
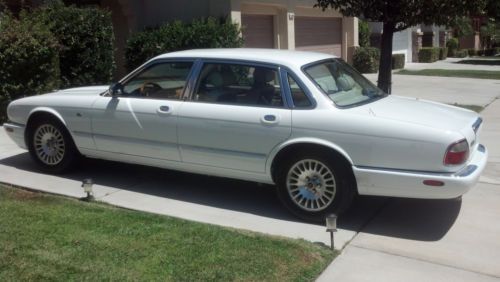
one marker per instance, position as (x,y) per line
(454,73)
(45,237)
(474,108)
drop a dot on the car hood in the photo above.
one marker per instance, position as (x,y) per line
(82,91)
(422,112)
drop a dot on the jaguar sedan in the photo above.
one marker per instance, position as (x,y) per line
(305,122)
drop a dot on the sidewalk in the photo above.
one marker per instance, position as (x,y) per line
(453,64)
(419,248)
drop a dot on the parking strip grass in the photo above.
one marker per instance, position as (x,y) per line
(483,74)
(46,237)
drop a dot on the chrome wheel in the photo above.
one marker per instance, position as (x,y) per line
(49,144)
(311,185)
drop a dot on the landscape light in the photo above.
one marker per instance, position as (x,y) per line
(331,226)
(87,188)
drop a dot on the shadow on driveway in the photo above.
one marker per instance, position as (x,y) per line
(425,220)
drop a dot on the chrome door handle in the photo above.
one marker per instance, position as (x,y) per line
(164,110)
(270,119)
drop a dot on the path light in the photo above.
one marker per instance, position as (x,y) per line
(331,226)
(87,188)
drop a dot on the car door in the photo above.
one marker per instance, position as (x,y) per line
(142,119)
(236,115)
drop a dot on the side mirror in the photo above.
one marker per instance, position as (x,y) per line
(116,89)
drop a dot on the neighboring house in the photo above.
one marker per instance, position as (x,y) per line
(280,24)
(410,40)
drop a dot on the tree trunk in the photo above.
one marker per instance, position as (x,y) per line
(385,67)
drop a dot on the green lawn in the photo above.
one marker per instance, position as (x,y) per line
(454,73)
(45,237)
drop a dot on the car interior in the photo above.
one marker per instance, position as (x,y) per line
(239,84)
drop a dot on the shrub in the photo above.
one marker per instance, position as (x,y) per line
(480,52)
(85,37)
(472,52)
(364,33)
(428,54)
(29,63)
(452,45)
(174,36)
(461,53)
(398,61)
(366,59)
(492,51)
(443,53)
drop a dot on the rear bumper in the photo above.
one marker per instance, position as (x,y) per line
(16,133)
(383,182)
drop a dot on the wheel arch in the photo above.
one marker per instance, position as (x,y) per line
(280,152)
(40,112)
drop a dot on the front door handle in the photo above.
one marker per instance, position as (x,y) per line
(164,110)
(269,119)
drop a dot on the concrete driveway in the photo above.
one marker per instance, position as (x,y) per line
(385,239)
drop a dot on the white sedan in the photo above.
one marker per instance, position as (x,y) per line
(306,122)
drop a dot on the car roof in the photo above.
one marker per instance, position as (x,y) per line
(273,56)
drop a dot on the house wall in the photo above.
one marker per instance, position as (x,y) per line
(285,11)
(401,41)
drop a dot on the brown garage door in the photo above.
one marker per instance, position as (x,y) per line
(258,31)
(319,34)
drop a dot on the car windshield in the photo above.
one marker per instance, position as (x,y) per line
(342,84)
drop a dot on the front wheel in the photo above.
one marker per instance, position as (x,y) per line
(314,185)
(51,146)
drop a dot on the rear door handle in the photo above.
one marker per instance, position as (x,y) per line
(269,119)
(164,110)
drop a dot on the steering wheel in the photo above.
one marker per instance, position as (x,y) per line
(148,87)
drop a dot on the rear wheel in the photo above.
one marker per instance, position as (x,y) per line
(313,185)
(51,146)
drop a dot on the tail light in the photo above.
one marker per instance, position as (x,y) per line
(457,153)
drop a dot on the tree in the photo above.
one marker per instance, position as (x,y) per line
(398,15)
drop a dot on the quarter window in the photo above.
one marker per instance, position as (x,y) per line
(299,97)
(239,85)
(160,81)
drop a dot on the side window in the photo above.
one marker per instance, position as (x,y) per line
(299,97)
(239,85)
(159,81)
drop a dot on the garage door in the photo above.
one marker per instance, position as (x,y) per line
(319,34)
(258,31)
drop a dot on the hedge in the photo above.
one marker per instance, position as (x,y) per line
(29,62)
(472,52)
(428,54)
(200,33)
(492,51)
(366,59)
(398,61)
(85,37)
(443,53)
(461,53)
(452,45)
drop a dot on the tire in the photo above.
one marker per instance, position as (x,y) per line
(313,185)
(51,146)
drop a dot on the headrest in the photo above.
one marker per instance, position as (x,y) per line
(345,83)
(263,75)
(215,79)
